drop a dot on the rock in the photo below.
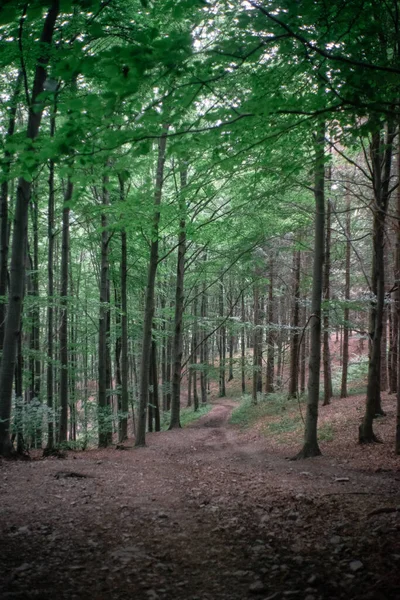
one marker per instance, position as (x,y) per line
(341,479)
(257,587)
(22,568)
(335,539)
(23,529)
(356,565)
(162,515)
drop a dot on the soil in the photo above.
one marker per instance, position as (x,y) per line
(209,512)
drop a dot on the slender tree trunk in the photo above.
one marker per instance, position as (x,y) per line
(310,447)
(50,303)
(204,344)
(123,422)
(104,408)
(17,275)
(149,299)
(397,295)
(156,399)
(243,346)
(346,314)
(222,341)
(269,383)
(177,345)
(295,337)
(381,156)
(63,426)
(328,392)
(4,225)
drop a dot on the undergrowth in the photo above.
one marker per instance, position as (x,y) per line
(188,415)
(271,405)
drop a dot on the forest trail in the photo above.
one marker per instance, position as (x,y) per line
(202,513)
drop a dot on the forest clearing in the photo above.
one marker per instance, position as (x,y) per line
(210,512)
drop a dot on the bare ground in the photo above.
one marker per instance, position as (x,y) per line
(206,513)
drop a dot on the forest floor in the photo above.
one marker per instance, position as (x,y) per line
(209,512)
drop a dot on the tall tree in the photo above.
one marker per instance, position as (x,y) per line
(177,348)
(311,447)
(19,241)
(150,292)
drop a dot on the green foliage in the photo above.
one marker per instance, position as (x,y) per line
(356,376)
(187,415)
(271,405)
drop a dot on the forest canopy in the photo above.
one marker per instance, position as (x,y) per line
(194,193)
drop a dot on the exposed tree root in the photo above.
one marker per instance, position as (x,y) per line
(367,437)
(308,451)
(54,452)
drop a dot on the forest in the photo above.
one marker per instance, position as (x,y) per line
(200,243)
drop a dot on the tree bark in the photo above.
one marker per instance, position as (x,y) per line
(149,298)
(17,274)
(123,422)
(243,345)
(104,408)
(326,296)
(63,425)
(50,303)
(311,447)
(269,382)
(295,337)
(177,344)
(4,225)
(381,156)
(346,312)
(222,341)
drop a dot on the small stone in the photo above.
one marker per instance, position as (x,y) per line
(257,587)
(335,539)
(23,529)
(356,565)
(341,479)
(22,568)
(162,515)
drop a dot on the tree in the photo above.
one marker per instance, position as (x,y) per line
(17,272)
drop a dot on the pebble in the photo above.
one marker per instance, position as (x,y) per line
(257,587)
(355,565)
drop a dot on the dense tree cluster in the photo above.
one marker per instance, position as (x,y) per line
(194,192)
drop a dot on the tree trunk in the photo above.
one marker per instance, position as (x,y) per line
(63,426)
(123,422)
(295,337)
(222,341)
(326,296)
(204,343)
(177,344)
(346,313)
(269,382)
(17,275)
(397,294)
(50,303)
(104,408)
(381,156)
(149,298)
(310,447)
(4,225)
(243,346)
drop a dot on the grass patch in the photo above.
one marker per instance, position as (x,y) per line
(188,415)
(271,405)
(286,424)
(326,432)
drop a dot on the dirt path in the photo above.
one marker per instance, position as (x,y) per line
(203,513)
